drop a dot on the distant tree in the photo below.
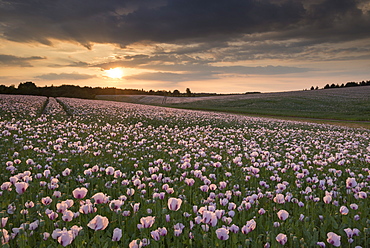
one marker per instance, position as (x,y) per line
(312,88)
(188,92)
(176,93)
(327,86)
(351,84)
(28,88)
(317,87)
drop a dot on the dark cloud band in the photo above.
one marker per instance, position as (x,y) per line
(180,21)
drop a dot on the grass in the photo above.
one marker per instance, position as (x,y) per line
(344,106)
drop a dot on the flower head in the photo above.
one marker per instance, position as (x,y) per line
(79,193)
(98,223)
(333,239)
(174,204)
(117,234)
(147,222)
(222,233)
(283,214)
(281,238)
(21,187)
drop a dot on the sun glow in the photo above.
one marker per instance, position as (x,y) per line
(115,73)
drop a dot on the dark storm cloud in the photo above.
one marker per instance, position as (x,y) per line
(180,21)
(11,60)
(66,76)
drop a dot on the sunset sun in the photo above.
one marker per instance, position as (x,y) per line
(115,73)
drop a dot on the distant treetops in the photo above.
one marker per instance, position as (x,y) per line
(349,84)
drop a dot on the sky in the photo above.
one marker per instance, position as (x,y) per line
(218,46)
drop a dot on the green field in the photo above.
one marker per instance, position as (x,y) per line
(343,105)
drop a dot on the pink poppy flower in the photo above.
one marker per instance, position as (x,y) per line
(21,187)
(136,244)
(66,172)
(282,214)
(65,238)
(130,192)
(189,181)
(362,195)
(261,211)
(249,226)
(162,231)
(109,170)
(174,204)
(343,210)
(135,207)
(45,235)
(46,200)
(98,223)
(117,234)
(57,194)
(279,198)
(79,193)
(4,220)
(67,215)
(234,228)
(52,215)
(204,188)
(281,238)
(321,244)
(349,232)
(115,205)
(327,199)
(155,235)
(353,206)
(333,239)
(222,233)
(100,198)
(61,207)
(5,236)
(88,208)
(7,186)
(351,182)
(147,222)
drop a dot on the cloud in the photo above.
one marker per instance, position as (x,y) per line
(11,60)
(172,77)
(181,21)
(72,64)
(66,76)
(187,40)
(263,70)
(214,72)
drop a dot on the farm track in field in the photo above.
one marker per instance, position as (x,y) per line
(65,107)
(43,108)
(55,107)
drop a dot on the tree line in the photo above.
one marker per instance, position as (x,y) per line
(348,84)
(75,91)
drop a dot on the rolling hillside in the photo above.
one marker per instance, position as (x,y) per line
(347,104)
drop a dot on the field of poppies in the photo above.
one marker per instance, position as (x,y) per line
(90,173)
